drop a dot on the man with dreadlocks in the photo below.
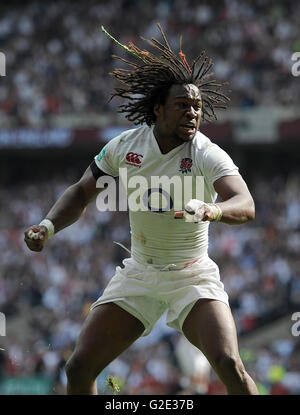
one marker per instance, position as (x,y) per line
(169,268)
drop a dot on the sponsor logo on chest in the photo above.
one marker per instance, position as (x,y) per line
(134,159)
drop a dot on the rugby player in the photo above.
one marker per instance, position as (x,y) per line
(169,268)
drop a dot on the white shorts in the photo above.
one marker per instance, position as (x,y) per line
(147,293)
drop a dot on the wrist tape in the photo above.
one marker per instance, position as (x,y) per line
(217,211)
(49,225)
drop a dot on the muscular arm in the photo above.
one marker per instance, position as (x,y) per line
(67,210)
(237,203)
(72,203)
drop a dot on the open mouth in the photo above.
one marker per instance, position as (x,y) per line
(190,128)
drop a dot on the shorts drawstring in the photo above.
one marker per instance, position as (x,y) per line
(168,267)
(122,246)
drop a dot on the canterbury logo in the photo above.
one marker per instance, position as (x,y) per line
(134,158)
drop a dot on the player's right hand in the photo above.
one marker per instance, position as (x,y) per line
(35,237)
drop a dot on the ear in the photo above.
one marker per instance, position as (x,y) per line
(157,109)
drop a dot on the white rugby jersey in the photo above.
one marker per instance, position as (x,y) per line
(156,237)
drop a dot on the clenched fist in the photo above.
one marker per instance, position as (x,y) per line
(197,211)
(36,237)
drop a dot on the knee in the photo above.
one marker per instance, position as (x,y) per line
(77,367)
(231,365)
(73,367)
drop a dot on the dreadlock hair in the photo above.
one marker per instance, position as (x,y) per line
(148,82)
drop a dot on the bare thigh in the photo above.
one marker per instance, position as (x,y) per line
(210,327)
(106,333)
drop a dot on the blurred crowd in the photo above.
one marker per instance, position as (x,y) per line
(58,60)
(45,297)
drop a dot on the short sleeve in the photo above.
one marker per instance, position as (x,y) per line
(217,163)
(107,160)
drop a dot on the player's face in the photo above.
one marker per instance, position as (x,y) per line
(180,116)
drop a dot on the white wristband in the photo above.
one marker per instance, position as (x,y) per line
(49,225)
(217,211)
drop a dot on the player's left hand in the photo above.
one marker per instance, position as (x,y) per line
(196,211)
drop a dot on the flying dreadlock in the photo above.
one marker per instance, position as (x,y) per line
(152,77)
